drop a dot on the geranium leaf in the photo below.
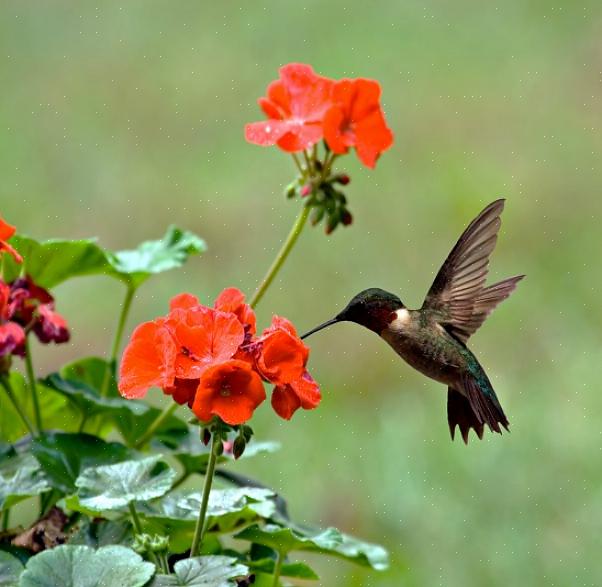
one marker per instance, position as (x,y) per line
(20,477)
(92,372)
(294,570)
(363,553)
(135,266)
(56,411)
(89,401)
(51,262)
(111,487)
(64,456)
(228,509)
(82,566)
(203,571)
(286,540)
(97,533)
(10,570)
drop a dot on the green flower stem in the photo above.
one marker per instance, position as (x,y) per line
(135,518)
(282,255)
(278,568)
(150,431)
(31,380)
(200,529)
(123,316)
(11,396)
(5,520)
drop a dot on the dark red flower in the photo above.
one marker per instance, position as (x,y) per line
(302,393)
(50,326)
(6,232)
(148,360)
(12,336)
(356,120)
(295,106)
(230,390)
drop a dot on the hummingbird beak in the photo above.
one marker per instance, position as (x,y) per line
(324,325)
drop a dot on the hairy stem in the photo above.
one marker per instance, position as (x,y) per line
(150,431)
(278,568)
(200,529)
(31,381)
(11,396)
(123,316)
(282,255)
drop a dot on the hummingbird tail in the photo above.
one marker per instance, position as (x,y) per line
(473,409)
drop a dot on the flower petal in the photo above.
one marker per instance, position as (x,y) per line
(285,401)
(148,360)
(12,339)
(183,301)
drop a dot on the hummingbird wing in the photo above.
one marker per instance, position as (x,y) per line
(458,299)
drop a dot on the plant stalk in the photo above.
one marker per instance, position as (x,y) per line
(9,392)
(200,529)
(282,255)
(123,316)
(150,431)
(31,380)
(278,568)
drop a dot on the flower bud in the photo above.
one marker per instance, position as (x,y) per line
(239,447)
(158,543)
(346,217)
(219,448)
(306,190)
(290,191)
(247,432)
(206,436)
(317,215)
(342,179)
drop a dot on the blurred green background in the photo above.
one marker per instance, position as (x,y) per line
(118,118)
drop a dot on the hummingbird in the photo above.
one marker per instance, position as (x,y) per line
(433,339)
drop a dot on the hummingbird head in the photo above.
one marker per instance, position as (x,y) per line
(373,308)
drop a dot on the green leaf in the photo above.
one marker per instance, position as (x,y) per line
(10,570)
(54,261)
(363,553)
(20,477)
(286,540)
(132,426)
(90,371)
(89,401)
(97,533)
(82,566)
(64,456)
(293,570)
(227,508)
(203,571)
(136,266)
(193,455)
(56,411)
(112,487)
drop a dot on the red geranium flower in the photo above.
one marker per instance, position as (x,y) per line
(295,105)
(302,393)
(282,355)
(356,120)
(230,390)
(148,360)
(12,335)
(233,300)
(6,231)
(32,307)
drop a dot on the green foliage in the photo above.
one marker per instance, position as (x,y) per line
(204,571)
(57,413)
(64,456)
(10,570)
(21,477)
(113,487)
(136,266)
(52,262)
(293,570)
(82,566)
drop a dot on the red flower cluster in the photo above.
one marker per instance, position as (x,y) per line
(25,307)
(6,231)
(303,108)
(210,359)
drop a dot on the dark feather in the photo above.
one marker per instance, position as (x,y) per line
(458,297)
